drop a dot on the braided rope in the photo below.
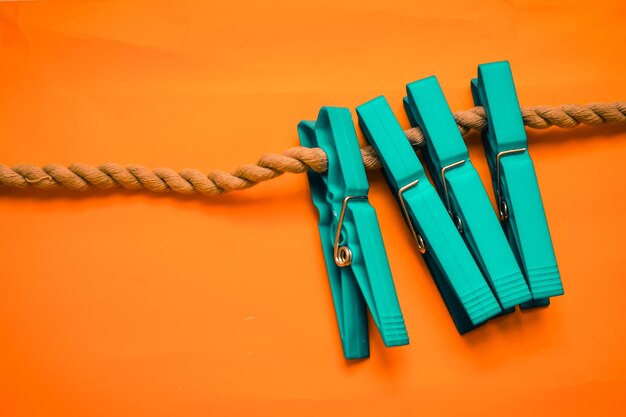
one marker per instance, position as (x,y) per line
(295,160)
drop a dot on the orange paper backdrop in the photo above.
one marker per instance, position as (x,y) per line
(130,304)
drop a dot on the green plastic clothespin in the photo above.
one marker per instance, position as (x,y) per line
(354,252)
(515,183)
(462,191)
(465,291)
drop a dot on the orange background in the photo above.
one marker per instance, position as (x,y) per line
(131,304)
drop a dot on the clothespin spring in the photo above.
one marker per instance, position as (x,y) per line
(421,245)
(457,220)
(343,254)
(502,205)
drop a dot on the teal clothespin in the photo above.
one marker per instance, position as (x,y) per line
(515,182)
(354,252)
(465,291)
(463,192)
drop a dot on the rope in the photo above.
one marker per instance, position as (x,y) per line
(295,160)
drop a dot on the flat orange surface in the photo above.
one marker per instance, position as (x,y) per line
(131,304)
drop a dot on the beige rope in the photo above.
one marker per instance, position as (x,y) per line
(295,160)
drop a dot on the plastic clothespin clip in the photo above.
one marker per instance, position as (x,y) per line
(353,247)
(461,189)
(515,183)
(459,280)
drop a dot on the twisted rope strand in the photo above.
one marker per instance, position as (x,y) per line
(295,160)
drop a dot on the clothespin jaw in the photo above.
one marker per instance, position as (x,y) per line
(429,110)
(354,252)
(466,294)
(515,182)
(463,192)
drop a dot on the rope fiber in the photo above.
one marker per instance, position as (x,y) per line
(296,160)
